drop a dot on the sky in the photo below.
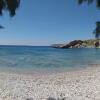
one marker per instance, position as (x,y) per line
(46,22)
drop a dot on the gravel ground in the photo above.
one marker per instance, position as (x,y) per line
(71,85)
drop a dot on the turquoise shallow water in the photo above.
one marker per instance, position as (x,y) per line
(38,58)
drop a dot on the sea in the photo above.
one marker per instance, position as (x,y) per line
(45,59)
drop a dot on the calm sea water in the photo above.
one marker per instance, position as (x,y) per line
(38,58)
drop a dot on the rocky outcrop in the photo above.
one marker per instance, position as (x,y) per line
(79,44)
(72,44)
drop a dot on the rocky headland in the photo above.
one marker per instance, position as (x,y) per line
(92,43)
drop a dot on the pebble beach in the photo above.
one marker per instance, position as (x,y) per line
(68,85)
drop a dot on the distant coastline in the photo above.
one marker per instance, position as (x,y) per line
(91,43)
(10,45)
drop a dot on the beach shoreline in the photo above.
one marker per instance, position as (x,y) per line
(70,85)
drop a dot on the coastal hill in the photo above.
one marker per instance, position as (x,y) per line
(79,44)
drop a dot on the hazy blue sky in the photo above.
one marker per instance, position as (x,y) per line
(44,22)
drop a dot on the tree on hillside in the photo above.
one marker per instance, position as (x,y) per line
(97,30)
(97,34)
(9,5)
(90,1)
(1,27)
